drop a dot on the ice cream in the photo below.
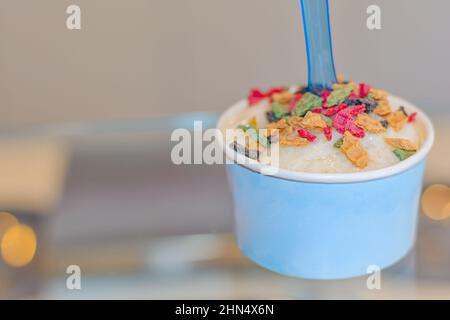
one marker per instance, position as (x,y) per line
(351,128)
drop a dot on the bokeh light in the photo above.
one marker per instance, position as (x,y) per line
(436,202)
(7,220)
(18,245)
(447,209)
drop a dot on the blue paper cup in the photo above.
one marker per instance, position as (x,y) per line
(327,226)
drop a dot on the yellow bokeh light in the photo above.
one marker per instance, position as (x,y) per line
(436,202)
(7,220)
(447,209)
(18,245)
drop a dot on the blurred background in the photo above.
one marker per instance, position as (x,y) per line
(85,169)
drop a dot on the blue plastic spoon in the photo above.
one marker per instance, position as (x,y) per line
(319,49)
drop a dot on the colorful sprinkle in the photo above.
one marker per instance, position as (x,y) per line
(279,110)
(412,117)
(332,111)
(355,110)
(324,97)
(294,101)
(364,90)
(353,96)
(343,121)
(300,116)
(308,102)
(257,95)
(403,154)
(338,96)
(328,133)
(306,134)
(338,143)
(369,103)
(327,120)
(271,117)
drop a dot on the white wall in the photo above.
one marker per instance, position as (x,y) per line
(136,58)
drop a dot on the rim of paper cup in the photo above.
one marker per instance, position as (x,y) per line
(351,177)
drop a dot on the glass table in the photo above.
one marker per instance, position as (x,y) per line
(140,227)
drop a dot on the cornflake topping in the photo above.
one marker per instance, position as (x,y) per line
(282,126)
(313,120)
(369,124)
(283,98)
(403,144)
(354,151)
(348,110)
(378,94)
(397,120)
(293,141)
(383,108)
(296,122)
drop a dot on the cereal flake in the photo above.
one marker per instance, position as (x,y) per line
(354,151)
(397,120)
(378,94)
(403,144)
(293,141)
(369,124)
(313,120)
(383,108)
(283,98)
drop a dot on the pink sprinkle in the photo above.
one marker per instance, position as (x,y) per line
(317,110)
(332,111)
(327,133)
(294,101)
(353,96)
(364,90)
(255,97)
(343,121)
(324,95)
(355,130)
(274,90)
(355,110)
(306,134)
(412,117)
(340,122)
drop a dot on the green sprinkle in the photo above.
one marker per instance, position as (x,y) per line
(308,102)
(245,127)
(338,144)
(338,96)
(279,110)
(257,137)
(403,154)
(254,135)
(327,120)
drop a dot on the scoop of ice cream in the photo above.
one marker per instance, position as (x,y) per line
(322,119)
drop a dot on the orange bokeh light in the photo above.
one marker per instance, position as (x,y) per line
(436,202)
(18,245)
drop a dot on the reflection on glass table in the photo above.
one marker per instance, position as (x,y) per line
(106,197)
